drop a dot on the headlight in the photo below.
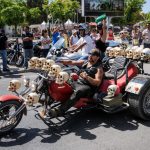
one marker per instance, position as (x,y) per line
(26,82)
(33,86)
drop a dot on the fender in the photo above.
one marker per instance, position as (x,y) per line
(10,97)
(137,84)
(5,98)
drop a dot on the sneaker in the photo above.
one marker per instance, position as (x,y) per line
(6,70)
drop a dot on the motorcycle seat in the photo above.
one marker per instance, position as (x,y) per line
(118,65)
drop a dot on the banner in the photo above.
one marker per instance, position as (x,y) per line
(99,7)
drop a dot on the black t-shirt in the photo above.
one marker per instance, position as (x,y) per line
(91,71)
(27,44)
(100,45)
(3,40)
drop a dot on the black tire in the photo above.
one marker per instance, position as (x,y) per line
(4,109)
(9,58)
(20,60)
(139,105)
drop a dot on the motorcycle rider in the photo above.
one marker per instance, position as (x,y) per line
(90,78)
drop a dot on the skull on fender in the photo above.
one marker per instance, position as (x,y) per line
(62,77)
(54,71)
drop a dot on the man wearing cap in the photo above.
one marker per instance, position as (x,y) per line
(146,36)
(90,78)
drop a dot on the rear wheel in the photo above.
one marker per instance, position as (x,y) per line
(7,109)
(140,104)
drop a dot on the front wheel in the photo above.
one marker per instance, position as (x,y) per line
(140,104)
(7,109)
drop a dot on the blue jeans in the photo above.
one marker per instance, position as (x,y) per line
(28,53)
(3,53)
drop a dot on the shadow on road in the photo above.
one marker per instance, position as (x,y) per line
(81,125)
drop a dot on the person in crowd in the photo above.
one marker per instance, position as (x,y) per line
(3,51)
(94,34)
(45,43)
(110,34)
(146,36)
(27,39)
(123,38)
(74,38)
(100,41)
(89,80)
(55,35)
(136,36)
(85,43)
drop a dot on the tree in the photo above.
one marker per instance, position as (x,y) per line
(13,15)
(63,9)
(132,12)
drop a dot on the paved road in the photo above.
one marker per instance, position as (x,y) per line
(91,130)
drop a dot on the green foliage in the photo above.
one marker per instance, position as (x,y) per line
(133,9)
(63,9)
(13,15)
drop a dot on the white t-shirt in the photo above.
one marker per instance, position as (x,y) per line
(75,39)
(89,44)
(44,42)
(146,33)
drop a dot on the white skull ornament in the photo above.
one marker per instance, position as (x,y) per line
(129,53)
(117,51)
(137,53)
(47,65)
(62,78)
(145,54)
(40,62)
(111,90)
(14,85)
(32,98)
(111,52)
(32,62)
(54,70)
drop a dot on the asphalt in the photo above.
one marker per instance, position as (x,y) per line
(89,130)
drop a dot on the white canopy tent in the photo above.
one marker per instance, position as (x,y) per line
(68,22)
(43,25)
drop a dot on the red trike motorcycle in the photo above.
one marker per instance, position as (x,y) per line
(124,86)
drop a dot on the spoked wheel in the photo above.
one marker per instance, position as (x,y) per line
(7,109)
(9,58)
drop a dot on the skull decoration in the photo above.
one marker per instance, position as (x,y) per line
(40,62)
(62,78)
(32,62)
(129,53)
(111,52)
(145,54)
(47,64)
(14,85)
(54,71)
(117,51)
(112,90)
(137,53)
(122,52)
(107,50)
(32,98)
